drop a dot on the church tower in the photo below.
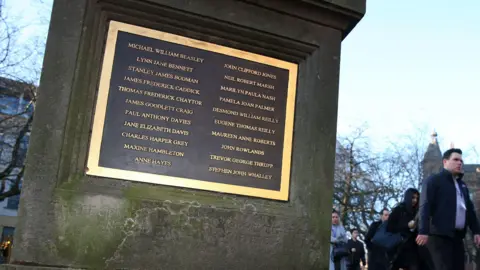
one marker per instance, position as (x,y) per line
(432,160)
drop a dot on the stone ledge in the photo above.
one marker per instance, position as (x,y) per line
(32,267)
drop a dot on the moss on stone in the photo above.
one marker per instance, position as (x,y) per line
(88,233)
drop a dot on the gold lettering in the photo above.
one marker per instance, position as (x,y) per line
(153,150)
(144,60)
(225,111)
(189,101)
(230,78)
(228,147)
(260,175)
(187,90)
(164,75)
(269,75)
(166,152)
(140,47)
(185,79)
(159,106)
(180,67)
(159,95)
(141,70)
(243,149)
(262,141)
(227,171)
(250,71)
(258,117)
(135,147)
(160,140)
(184,111)
(167,141)
(241,161)
(130,90)
(152,161)
(239,173)
(247,93)
(225,135)
(164,64)
(247,104)
(179,55)
(243,126)
(134,136)
(155,117)
(245,81)
(134,102)
(181,121)
(162,85)
(132,113)
(131,124)
(180,143)
(229,66)
(157,128)
(224,123)
(255,128)
(265,85)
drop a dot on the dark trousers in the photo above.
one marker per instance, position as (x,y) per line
(377,266)
(447,253)
(354,266)
(377,259)
(425,261)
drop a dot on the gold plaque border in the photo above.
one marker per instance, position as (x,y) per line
(93,167)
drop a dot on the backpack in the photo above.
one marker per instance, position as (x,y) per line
(386,240)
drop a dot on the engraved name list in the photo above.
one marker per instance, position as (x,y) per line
(179,112)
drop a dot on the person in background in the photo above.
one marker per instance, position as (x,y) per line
(357,252)
(338,237)
(445,213)
(377,257)
(402,221)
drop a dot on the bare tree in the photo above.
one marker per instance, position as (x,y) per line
(408,152)
(20,65)
(366,181)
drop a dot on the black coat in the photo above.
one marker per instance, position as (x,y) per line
(438,206)
(376,255)
(407,252)
(359,253)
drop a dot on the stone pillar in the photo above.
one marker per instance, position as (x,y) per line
(70,219)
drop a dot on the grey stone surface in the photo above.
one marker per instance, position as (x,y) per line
(68,219)
(31,267)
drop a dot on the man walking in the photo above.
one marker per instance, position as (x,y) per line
(445,212)
(357,252)
(377,257)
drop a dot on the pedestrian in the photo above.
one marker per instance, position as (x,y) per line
(402,221)
(338,240)
(357,252)
(377,257)
(445,212)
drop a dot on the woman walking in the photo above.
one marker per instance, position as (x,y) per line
(338,240)
(402,220)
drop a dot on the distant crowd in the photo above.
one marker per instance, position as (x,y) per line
(423,232)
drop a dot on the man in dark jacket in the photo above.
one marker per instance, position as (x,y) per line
(445,212)
(377,257)
(357,252)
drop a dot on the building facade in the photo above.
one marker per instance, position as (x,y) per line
(15,109)
(432,163)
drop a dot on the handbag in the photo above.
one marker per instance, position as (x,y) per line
(386,240)
(339,251)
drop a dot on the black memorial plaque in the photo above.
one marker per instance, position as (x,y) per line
(194,115)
